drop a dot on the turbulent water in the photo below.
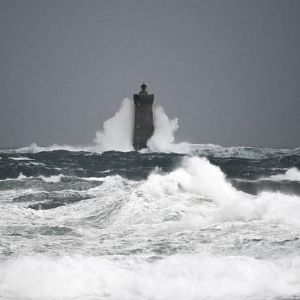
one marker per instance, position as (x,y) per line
(178,221)
(217,223)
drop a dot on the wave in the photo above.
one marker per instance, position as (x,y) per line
(196,180)
(292,174)
(51,179)
(46,179)
(20,177)
(55,178)
(34,148)
(174,277)
(195,193)
(241,152)
(198,175)
(255,187)
(210,150)
(22,158)
(100,179)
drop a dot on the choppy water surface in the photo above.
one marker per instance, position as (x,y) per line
(222,223)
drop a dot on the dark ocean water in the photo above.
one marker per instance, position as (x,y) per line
(220,223)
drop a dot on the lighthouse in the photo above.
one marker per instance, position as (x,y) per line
(143,118)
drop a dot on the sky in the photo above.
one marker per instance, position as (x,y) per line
(229,70)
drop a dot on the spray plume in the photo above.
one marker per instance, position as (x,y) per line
(117,132)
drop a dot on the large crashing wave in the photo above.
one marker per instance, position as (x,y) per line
(219,200)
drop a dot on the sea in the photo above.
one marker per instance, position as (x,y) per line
(184,221)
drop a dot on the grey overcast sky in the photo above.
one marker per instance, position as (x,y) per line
(228,69)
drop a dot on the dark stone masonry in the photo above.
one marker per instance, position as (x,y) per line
(143,118)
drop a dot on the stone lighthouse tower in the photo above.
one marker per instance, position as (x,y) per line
(143,118)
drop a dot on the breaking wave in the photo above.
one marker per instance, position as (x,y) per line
(195,180)
(52,179)
(198,176)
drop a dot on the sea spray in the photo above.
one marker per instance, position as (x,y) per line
(116,135)
(117,131)
(163,139)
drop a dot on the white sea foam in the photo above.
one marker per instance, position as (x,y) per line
(51,179)
(292,174)
(20,158)
(163,139)
(239,151)
(117,131)
(23,177)
(175,277)
(34,148)
(196,179)
(196,193)
(47,179)
(20,177)
(198,176)
(34,163)
(101,179)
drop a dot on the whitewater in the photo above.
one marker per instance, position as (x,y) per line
(175,221)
